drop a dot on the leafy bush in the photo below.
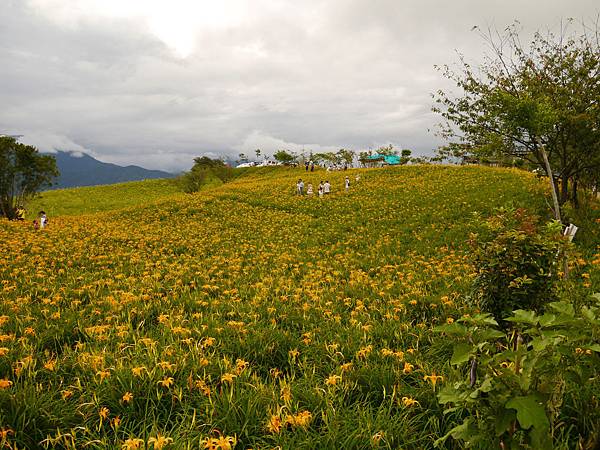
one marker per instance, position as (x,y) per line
(205,171)
(520,389)
(516,264)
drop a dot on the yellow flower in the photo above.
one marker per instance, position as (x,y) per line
(127,397)
(408,401)
(103,374)
(227,378)
(104,411)
(433,378)
(132,444)
(50,365)
(4,383)
(66,394)
(240,366)
(274,424)
(166,382)
(3,351)
(137,371)
(159,441)
(377,437)
(408,368)
(166,365)
(332,380)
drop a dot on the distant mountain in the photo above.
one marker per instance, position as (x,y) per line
(83,170)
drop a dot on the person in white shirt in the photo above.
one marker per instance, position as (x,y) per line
(327,187)
(347,183)
(300,186)
(43,219)
(309,189)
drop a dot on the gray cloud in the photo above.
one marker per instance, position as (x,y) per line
(323,75)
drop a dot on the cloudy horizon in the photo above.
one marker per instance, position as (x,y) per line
(157,83)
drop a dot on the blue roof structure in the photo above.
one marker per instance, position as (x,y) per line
(387,159)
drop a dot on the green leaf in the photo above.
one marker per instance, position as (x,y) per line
(448,395)
(563,308)
(540,439)
(466,431)
(504,419)
(490,334)
(454,328)
(461,354)
(547,319)
(540,344)
(530,412)
(524,316)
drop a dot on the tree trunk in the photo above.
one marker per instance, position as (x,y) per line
(564,189)
(552,185)
(574,198)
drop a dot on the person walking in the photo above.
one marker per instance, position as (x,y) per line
(312,165)
(327,187)
(320,191)
(347,183)
(300,187)
(306,165)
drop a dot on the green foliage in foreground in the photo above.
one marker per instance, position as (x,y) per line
(519,385)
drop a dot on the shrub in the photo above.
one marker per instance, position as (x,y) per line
(524,389)
(516,264)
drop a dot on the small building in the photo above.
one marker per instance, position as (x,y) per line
(382,160)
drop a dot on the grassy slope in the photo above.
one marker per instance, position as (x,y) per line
(86,200)
(353,283)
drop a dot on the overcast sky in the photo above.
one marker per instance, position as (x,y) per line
(159,82)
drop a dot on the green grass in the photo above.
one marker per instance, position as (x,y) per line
(87,200)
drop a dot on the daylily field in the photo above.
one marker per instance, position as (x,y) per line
(245,316)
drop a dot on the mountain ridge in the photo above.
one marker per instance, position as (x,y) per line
(85,170)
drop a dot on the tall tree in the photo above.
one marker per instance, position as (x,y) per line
(284,157)
(23,172)
(538,102)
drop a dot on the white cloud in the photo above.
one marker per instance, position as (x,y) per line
(156,82)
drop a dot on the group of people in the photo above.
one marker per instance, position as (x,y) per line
(42,222)
(324,187)
(309,164)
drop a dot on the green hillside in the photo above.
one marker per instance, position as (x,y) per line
(245,316)
(86,200)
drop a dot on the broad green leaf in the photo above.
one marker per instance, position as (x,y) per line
(563,308)
(465,431)
(524,316)
(547,319)
(504,419)
(540,439)
(490,334)
(454,328)
(461,354)
(448,395)
(540,344)
(530,412)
